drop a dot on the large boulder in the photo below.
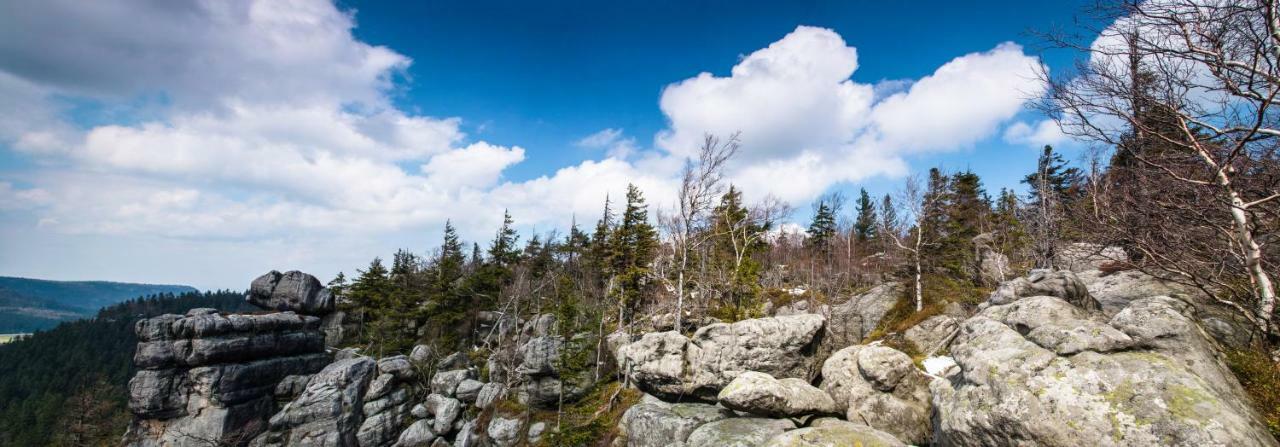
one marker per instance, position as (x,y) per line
(672,365)
(761,394)
(290,291)
(738,432)
(1062,284)
(880,387)
(654,423)
(328,411)
(835,434)
(1044,372)
(505,431)
(856,318)
(932,334)
(1115,291)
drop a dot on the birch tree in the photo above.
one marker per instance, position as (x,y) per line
(700,184)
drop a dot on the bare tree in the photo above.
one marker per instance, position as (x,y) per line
(1184,90)
(912,202)
(700,184)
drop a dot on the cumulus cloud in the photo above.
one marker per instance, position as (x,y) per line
(269,121)
(803,119)
(1044,132)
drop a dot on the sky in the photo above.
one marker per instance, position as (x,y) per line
(207,142)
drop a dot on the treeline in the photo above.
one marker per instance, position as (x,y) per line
(67,386)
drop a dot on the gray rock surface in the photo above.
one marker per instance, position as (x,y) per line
(1043,372)
(835,434)
(444,409)
(672,365)
(880,387)
(654,423)
(505,431)
(211,376)
(468,390)
(490,393)
(1081,256)
(854,319)
(326,412)
(1061,284)
(418,434)
(738,432)
(761,394)
(290,291)
(446,382)
(932,334)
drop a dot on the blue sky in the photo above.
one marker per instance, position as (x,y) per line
(207,142)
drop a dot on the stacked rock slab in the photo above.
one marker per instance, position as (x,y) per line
(209,378)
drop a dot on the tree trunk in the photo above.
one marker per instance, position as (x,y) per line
(1252,258)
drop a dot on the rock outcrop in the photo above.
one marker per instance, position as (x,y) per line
(853,320)
(654,423)
(671,365)
(1044,372)
(933,334)
(329,412)
(880,387)
(1080,256)
(291,291)
(833,434)
(761,394)
(738,432)
(209,377)
(1061,284)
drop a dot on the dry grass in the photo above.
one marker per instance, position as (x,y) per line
(1261,379)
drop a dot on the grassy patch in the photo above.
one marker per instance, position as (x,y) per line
(1261,379)
(586,422)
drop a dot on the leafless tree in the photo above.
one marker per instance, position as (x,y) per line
(700,184)
(1184,89)
(912,201)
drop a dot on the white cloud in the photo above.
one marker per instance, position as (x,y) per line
(1044,132)
(615,144)
(804,120)
(476,166)
(276,126)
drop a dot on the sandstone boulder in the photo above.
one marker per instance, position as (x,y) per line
(670,364)
(880,387)
(932,334)
(854,319)
(761,394)
(738,432)
(835,434)
(1045,373)
(290,291)
(1061,284)
(327,411)
(654,423)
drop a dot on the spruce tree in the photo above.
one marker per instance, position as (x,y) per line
(636,243)
(822,230)
(865,226)
(735,246)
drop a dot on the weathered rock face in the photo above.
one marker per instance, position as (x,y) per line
(738,432)
(1080,256)
(654,423)
(992,266)
(329,412)
(761,394)
(833,434)
(880,387)
(1043,372)
(854,319)
(291,291)
(672,365)
(1062,284)
(207,376)
(933,334)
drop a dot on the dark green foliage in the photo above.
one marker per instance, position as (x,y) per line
(44,378)
(634,244)
(864,227)
(1060,179)
(822,230)
(734,252)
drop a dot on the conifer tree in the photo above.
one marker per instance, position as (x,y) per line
(822,230)
(636,242)
(736,241)
(865,226)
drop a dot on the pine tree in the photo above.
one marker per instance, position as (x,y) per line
(967,214)
(602,249)
(822,230)
(1061,180)
(865,226)
(502,251)
(736,243)
(636,242)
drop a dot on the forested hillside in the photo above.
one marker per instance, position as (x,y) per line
(67,385)
(27,305)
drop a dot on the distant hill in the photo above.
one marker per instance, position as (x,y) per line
(28,305)
(47,379)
